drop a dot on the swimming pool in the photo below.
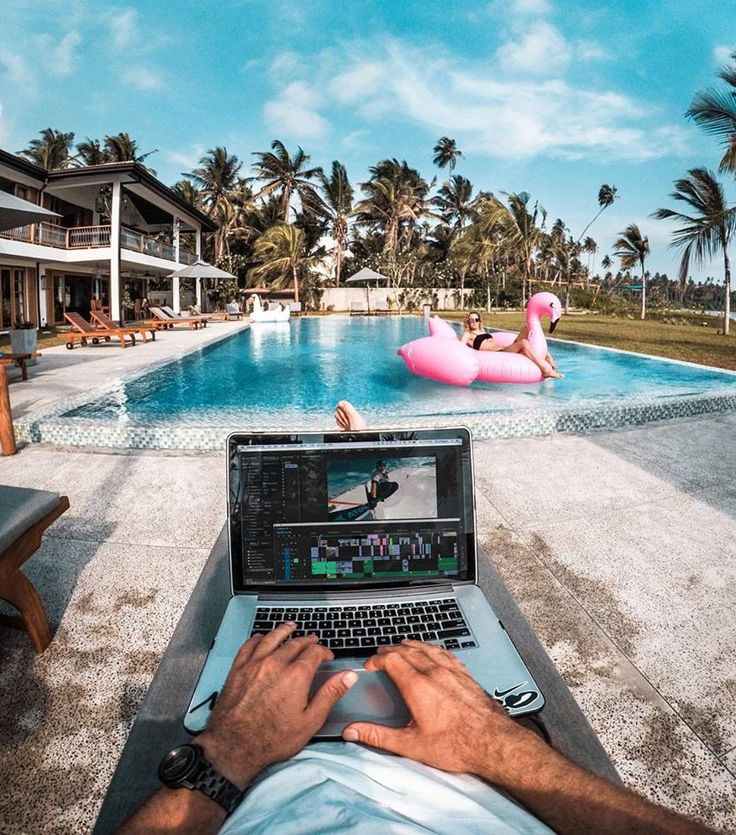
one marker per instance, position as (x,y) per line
(292,374)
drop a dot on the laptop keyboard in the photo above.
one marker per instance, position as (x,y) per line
(359,630)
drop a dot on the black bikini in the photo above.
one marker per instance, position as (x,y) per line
(480,339)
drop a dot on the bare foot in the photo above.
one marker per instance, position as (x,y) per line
(550,372)
(548,359)
(348,418)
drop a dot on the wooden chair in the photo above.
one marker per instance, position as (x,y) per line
(84,332)
(105,323)
(161,320)
(172,314)
(20,360)
(26,515)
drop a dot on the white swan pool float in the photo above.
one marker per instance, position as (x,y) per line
(444,358)
(277,313)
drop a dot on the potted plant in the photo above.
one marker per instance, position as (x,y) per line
(23,338)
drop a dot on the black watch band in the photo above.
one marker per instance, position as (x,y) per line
(187,768)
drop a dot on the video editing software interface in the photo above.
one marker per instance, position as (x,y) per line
(366,510)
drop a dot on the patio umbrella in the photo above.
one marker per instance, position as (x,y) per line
(366,276)
(15,212)
(201,269)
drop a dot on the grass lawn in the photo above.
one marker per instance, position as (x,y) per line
(688,337)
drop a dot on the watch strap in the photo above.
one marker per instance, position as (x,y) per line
(219,788)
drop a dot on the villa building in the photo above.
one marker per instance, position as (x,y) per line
(120,235)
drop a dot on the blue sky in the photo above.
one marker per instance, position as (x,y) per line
(554,97)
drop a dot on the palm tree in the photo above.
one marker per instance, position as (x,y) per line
(455,202)
(90,152)
(446,153)
(216,176)
(121,147)
(396,200)
(606,195)
(283,255)
(286,175)
(52,151)
(714,110)
(633,247)
(337,209)
(707,230)
(189,192)
(590,247)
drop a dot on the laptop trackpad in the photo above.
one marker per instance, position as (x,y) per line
(373,698)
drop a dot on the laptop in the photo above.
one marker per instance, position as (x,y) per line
(365,538)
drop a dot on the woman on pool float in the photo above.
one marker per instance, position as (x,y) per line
(475,336)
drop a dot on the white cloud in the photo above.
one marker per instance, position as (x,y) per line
(18,73)
(293,113)
(541,49)
(498,114)
(186,160)
(286,63)
(530,7)
(143,79)
(722,54)
(65,53)
(123,27)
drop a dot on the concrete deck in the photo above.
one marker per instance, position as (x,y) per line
(618,547)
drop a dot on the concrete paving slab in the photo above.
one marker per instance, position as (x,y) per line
(730,761)
(690,450)
(541,480)
(655,752)
(660,581)
(35,467)
(156,500)
(64,715)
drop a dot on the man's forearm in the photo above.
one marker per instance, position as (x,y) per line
(571,800)
(179,811)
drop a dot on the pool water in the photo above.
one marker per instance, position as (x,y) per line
(303,367)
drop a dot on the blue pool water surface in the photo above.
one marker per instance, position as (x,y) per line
(305,366)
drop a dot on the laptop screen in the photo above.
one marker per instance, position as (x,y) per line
(338,509)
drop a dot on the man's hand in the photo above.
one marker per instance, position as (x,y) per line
(455,724)
(264,714)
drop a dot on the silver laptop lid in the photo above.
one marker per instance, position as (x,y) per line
(337,510)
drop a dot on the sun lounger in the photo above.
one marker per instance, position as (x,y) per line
(26,515)
(295,308)
(19,360)
(161,320)
(105,323)
(231,311)
(84,333)
(169,311)
(358,309)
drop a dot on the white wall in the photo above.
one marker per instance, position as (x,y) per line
(340,298)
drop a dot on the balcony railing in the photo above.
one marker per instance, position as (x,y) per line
(90,237)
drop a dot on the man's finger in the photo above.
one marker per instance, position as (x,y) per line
(438,654)
(329,694)
(395,740)
(246,650)
(268,643)
(295,647)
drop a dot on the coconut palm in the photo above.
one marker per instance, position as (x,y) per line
(90,152)
(714,110)
(446,153)
(284,257)
(189,192)
(454,200)
(286,175)
(51,151)
(705,230)
(396,200)
(121,147)
(336,209)
(606,195)
(632,248)
(216,176)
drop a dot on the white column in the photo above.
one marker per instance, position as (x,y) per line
(115,311)
(42,314)
(198,289)
(176,299)
(176,229)
(198,242)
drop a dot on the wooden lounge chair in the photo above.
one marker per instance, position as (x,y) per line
(295,308)
(105,323)
(84,333)
(169,311)
(231,311)
(161,320)
(20,360)
(26,515)
(358,309)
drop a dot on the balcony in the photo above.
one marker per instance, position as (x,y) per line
(90,237)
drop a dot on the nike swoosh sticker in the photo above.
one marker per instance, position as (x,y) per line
(499,693)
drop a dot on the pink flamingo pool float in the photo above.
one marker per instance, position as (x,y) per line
(442,357)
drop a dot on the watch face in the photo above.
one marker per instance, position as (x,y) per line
(178,764)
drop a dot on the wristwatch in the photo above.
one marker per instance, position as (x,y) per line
(186,768)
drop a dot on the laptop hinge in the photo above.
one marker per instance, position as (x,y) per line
(414,591)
